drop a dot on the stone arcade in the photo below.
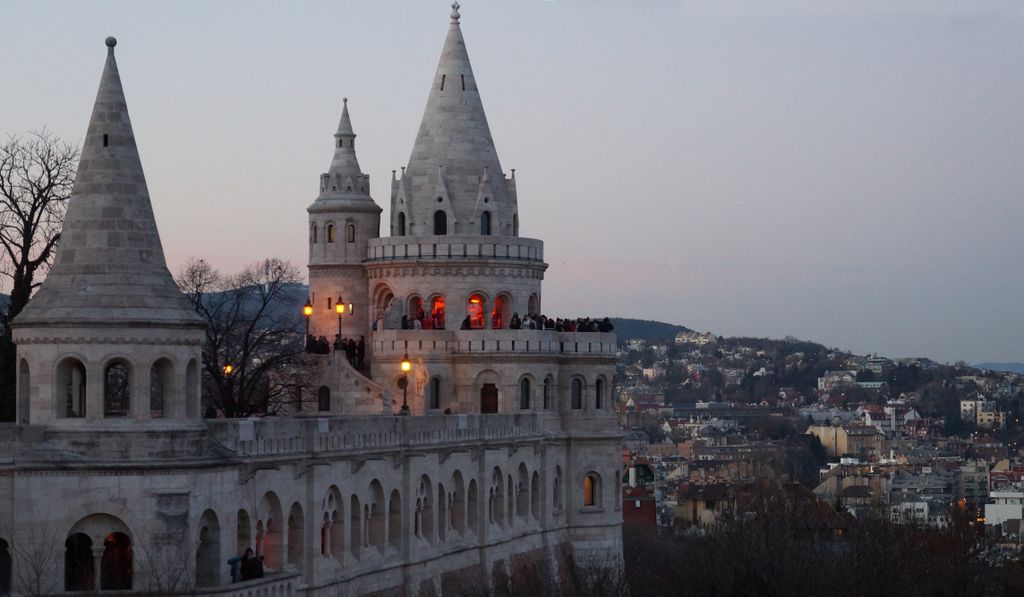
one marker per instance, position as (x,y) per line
(507,465)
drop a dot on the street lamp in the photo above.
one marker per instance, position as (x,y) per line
(404,382)
(228,369)
(307,310)
(339,308)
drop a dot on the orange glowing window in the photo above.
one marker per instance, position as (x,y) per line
(475,311)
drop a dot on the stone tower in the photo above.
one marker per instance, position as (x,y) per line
(109,340)
(341,220)
(454,184)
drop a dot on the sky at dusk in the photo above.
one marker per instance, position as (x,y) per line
(849,172)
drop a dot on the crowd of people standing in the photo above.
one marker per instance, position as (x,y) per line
(355,352)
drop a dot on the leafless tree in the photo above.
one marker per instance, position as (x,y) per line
(37,552)
(165,565)
(254,359)
(37,172)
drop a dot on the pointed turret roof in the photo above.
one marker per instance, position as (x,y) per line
(345,162)
(454,132)
(109,268)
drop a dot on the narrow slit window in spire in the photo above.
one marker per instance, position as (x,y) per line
(442,81)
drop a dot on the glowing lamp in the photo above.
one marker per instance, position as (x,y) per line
(406,363)
(307,309)
(339,308)
(228,369)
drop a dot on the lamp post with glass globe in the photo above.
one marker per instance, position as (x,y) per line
(404,383)
(307,311)
(339,308)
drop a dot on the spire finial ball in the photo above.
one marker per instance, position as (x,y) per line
(111,41)
(455,12)
(344,100)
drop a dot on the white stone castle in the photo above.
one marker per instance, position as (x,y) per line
(507,465)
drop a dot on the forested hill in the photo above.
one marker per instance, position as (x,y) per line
(652,331)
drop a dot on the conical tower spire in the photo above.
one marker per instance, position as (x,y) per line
(454,134)
(454,130)
(109,267)
(345,162)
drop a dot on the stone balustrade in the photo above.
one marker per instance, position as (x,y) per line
(454,248)
(273,436)
(282,584)
(395,343)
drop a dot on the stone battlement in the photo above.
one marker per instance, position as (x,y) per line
(395,343)
(454,248)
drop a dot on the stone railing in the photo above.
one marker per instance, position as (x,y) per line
(272,436)
(395,343)
(462,248)
(283,584)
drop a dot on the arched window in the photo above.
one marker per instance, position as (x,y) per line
(524,393)
(117,394)
(323,399)
(489,398)
(116,564)
(79,566)
(533,305)
(243,532)
(350,233)
(330,233)
(501,315)
(312,233)
(161,376)
(556,490)
(434,390)
(535,495)
(440,223)
(437,312)
(547,393)
(355,543)
(192,389)
(576,394)
(515,225)
(70,388)
(24,396)
(395,520)
(472,507)
(475,311)
(485,223)
(592,490)
(296,535)
(401,224)
(599,393)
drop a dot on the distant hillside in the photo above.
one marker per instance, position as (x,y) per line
(652,331)
(1011,367)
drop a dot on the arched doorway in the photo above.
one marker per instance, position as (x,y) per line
(488,398)
(208,553)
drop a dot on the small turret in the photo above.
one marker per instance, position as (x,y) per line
(341,220)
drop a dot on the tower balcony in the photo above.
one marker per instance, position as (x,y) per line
(455,248)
